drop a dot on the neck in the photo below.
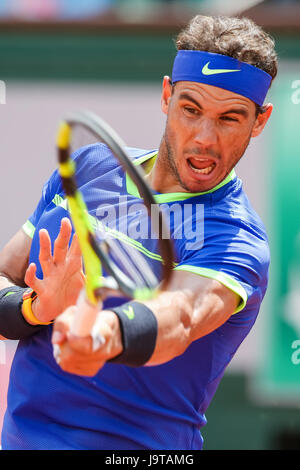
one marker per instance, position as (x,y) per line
(162,177)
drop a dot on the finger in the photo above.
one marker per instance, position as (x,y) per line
(76,362)
(90,370)
(86,371)
(45,256)
(60,334)
(57,353)
(75,247)
(31,280)
(98,339)
(75,255)
(80,345)
(61,244)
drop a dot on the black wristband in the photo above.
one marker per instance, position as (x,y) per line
(139,332)
(12,323)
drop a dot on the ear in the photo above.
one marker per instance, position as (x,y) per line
(166,94)
(262,120)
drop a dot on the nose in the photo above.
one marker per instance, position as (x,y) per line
(206,132)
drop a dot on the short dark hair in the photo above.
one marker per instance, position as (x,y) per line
(239,38)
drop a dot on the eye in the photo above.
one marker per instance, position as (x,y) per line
(190,110)
(229,119)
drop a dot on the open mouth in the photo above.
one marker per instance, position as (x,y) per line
(202,166)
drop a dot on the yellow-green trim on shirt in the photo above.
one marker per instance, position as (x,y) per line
(29,228)
(170,197)
(223,278)
(61,202)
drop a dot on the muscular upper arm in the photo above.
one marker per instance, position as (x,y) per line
(14,260)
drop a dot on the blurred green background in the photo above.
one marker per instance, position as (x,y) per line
(111,56)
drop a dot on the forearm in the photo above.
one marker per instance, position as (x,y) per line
(5,281)
(174,314)
(155,331)
(186,314)
(146,333)
(9,277)
(14,260)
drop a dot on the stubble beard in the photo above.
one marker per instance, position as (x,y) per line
(169,162)
(170,165)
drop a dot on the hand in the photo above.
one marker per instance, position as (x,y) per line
(63,277)
(86,355)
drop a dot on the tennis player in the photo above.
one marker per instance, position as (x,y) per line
(148,386)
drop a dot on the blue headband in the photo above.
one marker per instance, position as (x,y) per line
(222,71)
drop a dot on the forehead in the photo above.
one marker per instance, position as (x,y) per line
(208,95)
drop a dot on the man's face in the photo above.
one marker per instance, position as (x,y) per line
(207,131)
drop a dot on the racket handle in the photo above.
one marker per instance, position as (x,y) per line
(85,317)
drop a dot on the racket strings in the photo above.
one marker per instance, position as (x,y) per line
(131,262)
(81,137)
(123,253)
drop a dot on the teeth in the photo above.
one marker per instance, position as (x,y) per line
(200,159)
(203,171)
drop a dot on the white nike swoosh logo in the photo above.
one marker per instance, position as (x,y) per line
(207,71)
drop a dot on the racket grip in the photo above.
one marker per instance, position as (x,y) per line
(85,316)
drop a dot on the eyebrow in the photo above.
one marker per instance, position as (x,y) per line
(240,111)
(186,96)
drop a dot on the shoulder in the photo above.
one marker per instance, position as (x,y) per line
(238,219)
(100,152)
(244,241)
(251,230)
(229,242)
(95,160)
(225,222)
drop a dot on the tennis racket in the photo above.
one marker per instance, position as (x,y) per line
(112,261)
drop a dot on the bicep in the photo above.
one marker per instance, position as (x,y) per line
(14,259)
